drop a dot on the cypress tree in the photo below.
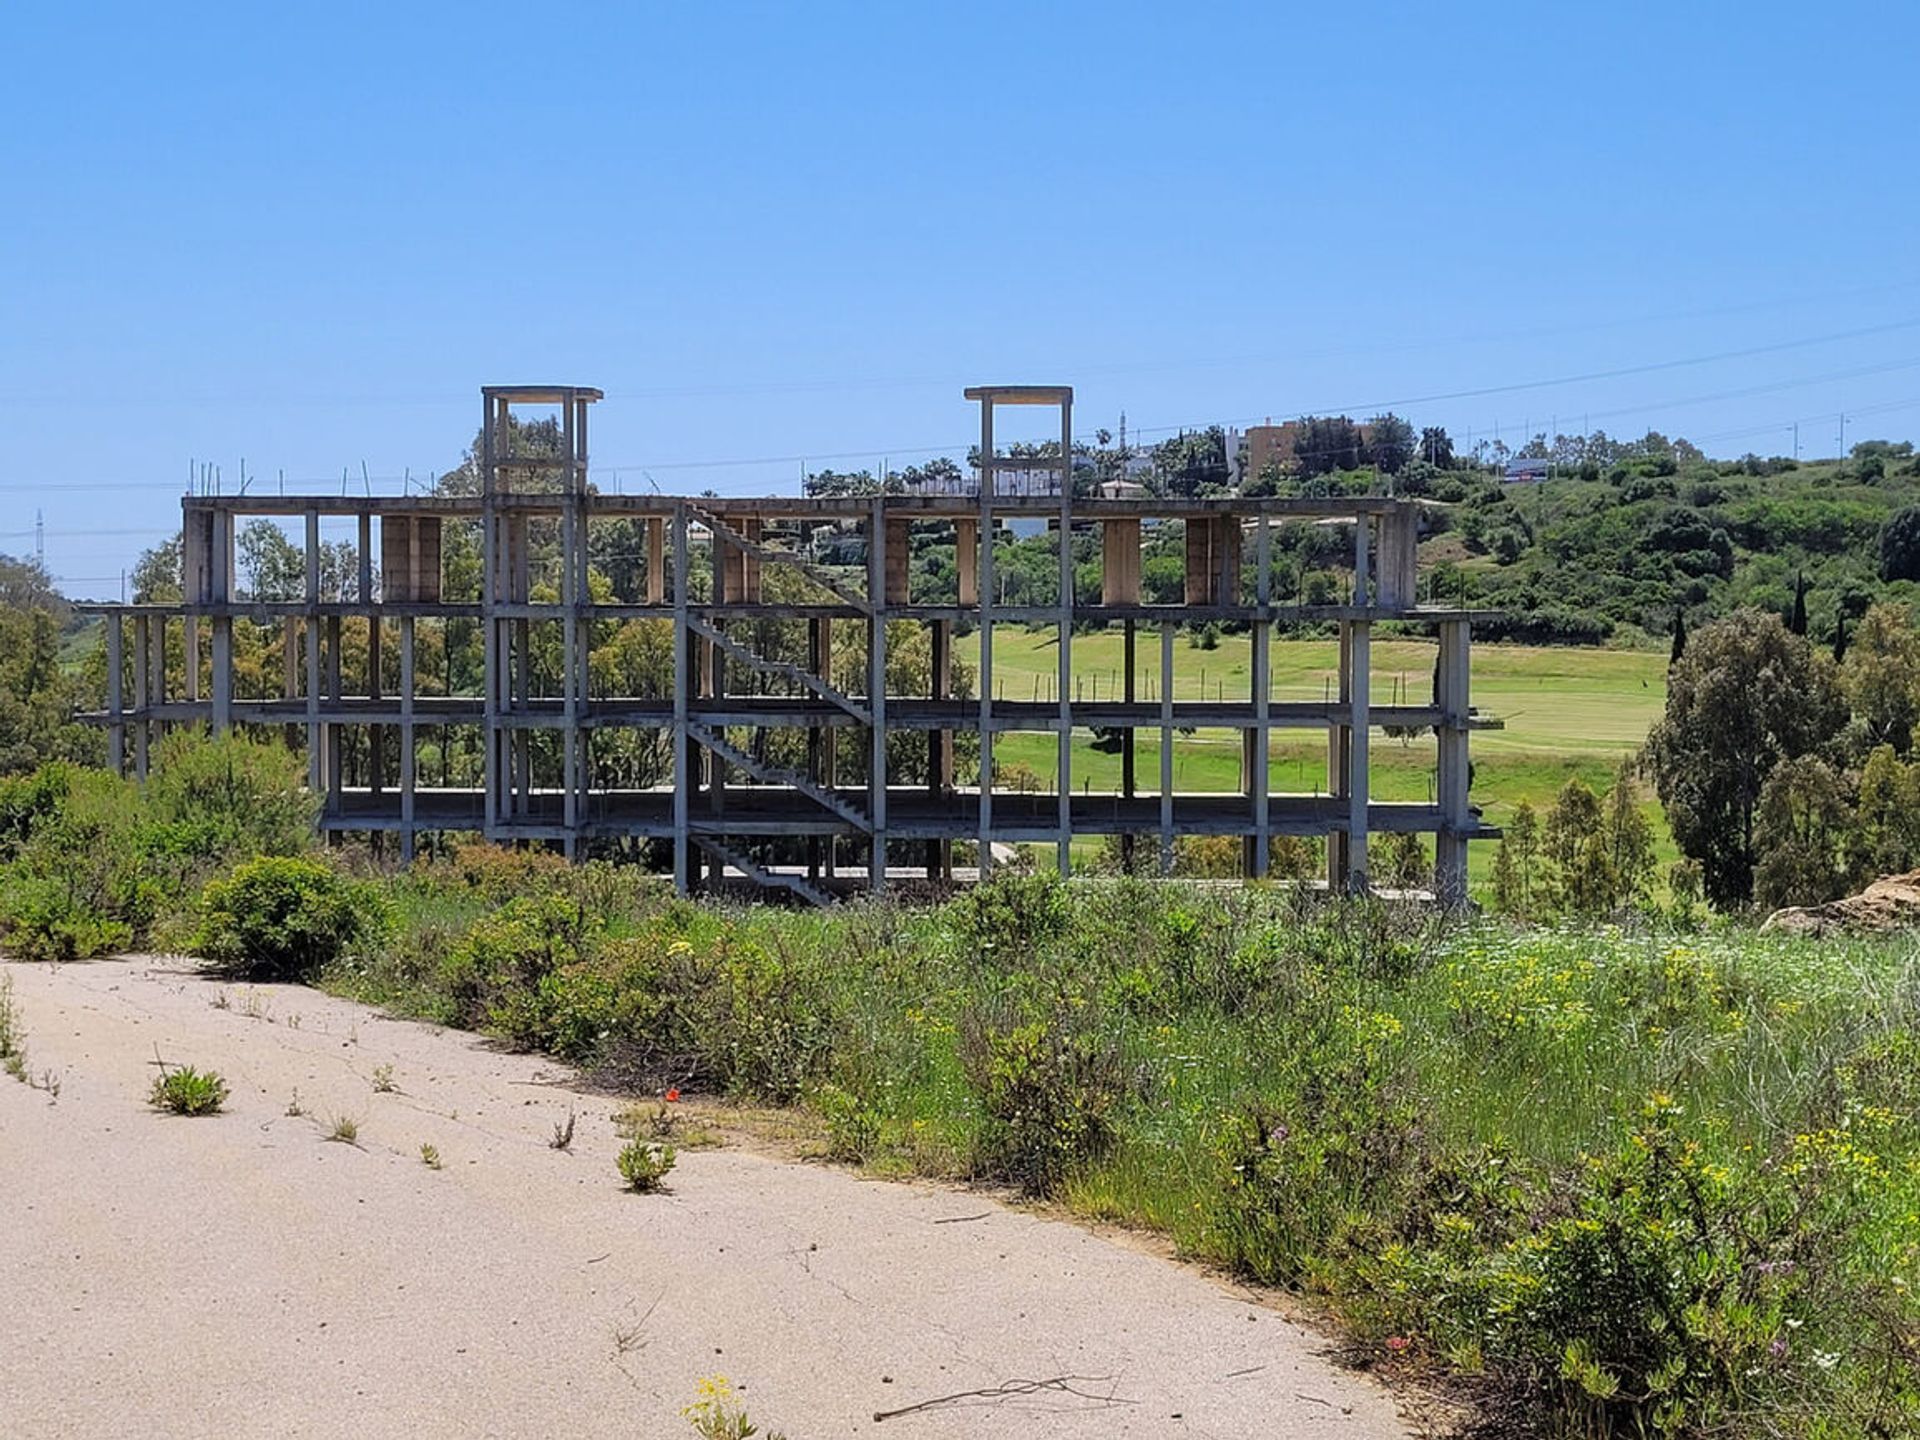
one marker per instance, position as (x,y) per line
(1679,636)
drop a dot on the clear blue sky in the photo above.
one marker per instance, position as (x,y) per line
(306,235)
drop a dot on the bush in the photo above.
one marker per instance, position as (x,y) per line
(1014,913)
(187,1091)
(279,917)
(644,1164)
(45,919)
(1049,1087)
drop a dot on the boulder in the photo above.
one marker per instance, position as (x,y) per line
(1891,903)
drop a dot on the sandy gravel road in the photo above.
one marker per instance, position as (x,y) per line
(241,1275)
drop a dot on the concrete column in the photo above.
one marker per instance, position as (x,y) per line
(1358,783)
(408,752)
(1119,562)
(966,554)
(877,539)
(1456,818)
(986,638)
(116,704)
(682,775)
(333,728)
(190,656)
(1065,764)
(142,657)
(1260,772)
(1128,779)
(1399,558)
(376,734)
(316,742)
(940,745)
(656,561)
(1166,747)
(220,566)
(1338,750)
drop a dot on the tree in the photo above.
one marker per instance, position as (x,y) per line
(1900,546)
(272,566)
(38,697)
(1679,637)
(1324,443)
(1746,695)
(1580,879)
(1886,831)
(1629,840)
(1390,443)
(1436,447)
(1797,619)
(1881,677)
(1801,824)
(1194,462)
(1513,866)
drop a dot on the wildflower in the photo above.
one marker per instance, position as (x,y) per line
(1398,1343)
(673,1093)
(1778,1349)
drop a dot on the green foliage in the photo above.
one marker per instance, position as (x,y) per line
(92,860)
(38,697)
(13,1045)
(218,798)
(281,917)
(1435,1130)
(1800,832)
(1048,1083)
(644,1164)
(1746,695)
(1015,912)
(186,1091)
(1900,546)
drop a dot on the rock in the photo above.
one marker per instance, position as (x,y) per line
(1891,903)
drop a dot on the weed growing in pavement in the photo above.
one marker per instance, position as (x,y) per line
(430,1155)
(345,1129)
(718,1414)
(184,1090)
(562,1133)
(644,1164)
(13,1045)
(383,1080)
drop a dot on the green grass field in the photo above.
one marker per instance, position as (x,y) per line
(1568,713)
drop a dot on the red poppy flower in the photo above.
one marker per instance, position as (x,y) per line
(673,1094)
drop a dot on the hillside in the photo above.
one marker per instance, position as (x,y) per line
(1606,557)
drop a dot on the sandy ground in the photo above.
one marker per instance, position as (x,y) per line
(241,1275)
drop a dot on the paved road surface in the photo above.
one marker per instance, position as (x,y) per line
(240,1275)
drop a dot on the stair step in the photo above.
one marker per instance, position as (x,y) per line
(806,679)
(766,879)
(779,775)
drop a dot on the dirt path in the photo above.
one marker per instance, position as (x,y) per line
(240,1275)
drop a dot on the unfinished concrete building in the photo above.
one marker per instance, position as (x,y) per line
(828,811)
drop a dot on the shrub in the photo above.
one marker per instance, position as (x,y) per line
(644,1164)
(187,1091)
(215,799)
(1014,912)
(279,917)
(46,919)
(1049,1087)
